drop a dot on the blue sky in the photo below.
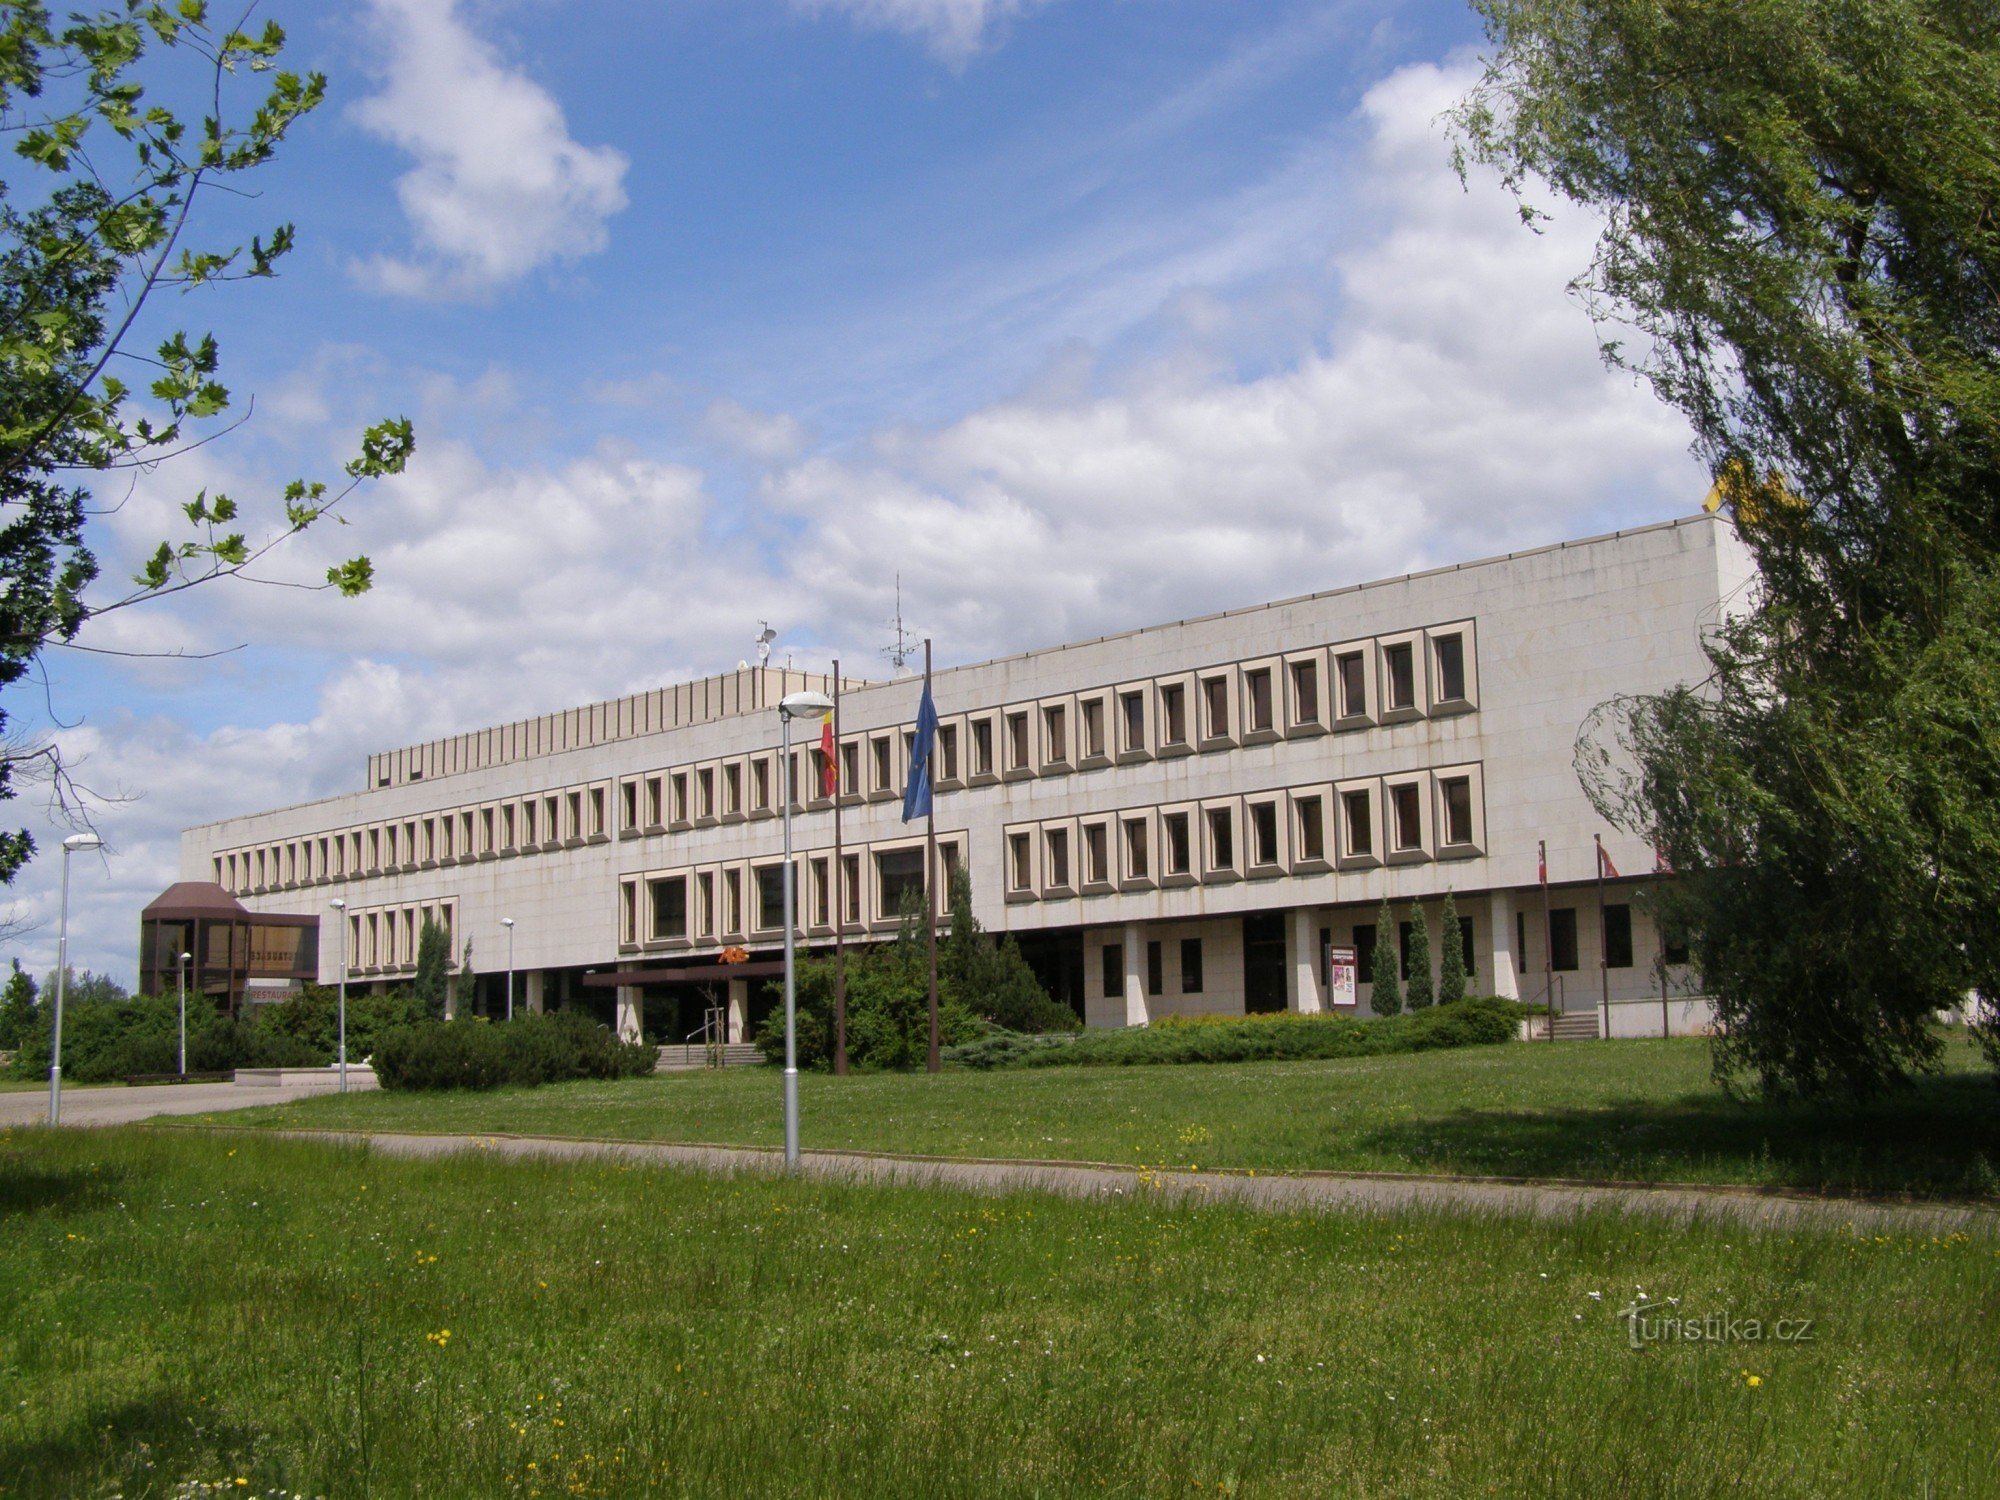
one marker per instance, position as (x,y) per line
(1078,314)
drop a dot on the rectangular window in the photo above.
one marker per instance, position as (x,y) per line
(1191,966)
(771,897)
(1401,661)
(1133,706)
(628,913)
(950,855)
(881,767)
(1364,953)
(1135,848)
(1114,970)
(732,900)
(1465,953)
(1091,711)
(1058,842)
(550,812)
(850,886)
(704,793)
(1215,707)
(822,907)
(680,786)
(1360,826)
(1409,817)
(1174,835)
(1020,862)
(670,907)
(1450,653)
(1156,968)
(1618,937)
(899,871)
(704,897)
(1674,949)
(1562,938)
(982,747)
(596,812)
(850,770)
(653,808)
(1221,839)
(1305,692)
(1457,795)
(1263,833)
(1173,714)
(1257,693)
(760,784)
(732,789)
(1312,829)
(528,815)
(1353,671)
(1096,853)
(573,812)
(947,752)
(506,831)
(628,797)
(1055,733)
(1017,742)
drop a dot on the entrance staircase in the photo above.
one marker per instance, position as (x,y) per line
(1577,1026)
(682,1056)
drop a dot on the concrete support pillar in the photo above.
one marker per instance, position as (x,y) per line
(451,997)
(1500,946)
(628,1013)
(1135,975)
(533,988)
(1304,988)
(739,1010)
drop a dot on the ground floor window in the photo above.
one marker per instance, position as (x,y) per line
(1618,937)
(1562,939)
(1191,966)
(1114,970)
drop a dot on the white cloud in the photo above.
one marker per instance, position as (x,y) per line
(768,437)
(953,29)
(499,188)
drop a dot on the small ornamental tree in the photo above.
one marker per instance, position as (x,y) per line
(993,979)
(1451,961)
(1421,991)
(433,958)
(1387,999)
(17,1008)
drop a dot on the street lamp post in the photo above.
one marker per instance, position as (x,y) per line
(796,705)
(341,907)
(508,923)
(185,959)
(71,844)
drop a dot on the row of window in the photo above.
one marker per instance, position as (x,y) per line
(384,938)
(1349,825)
(1190,978)
(744,900)
(520,825)
(1382,680)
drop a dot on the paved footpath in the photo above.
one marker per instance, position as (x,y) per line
(1312,1192)
(125,1105)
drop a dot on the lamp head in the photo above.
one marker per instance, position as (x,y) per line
(337,904)
(805,705)
(506,921)
(187,958)
(83,841)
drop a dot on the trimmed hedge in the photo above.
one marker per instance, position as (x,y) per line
(526,1051)
(1222,1039)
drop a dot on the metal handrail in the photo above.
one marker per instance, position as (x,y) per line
(713,1034)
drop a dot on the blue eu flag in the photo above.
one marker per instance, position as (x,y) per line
(917,789)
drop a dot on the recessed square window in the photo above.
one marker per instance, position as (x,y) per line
(1449,651)
(669,904)
(1456,794)
(1400,662)
(1406,805)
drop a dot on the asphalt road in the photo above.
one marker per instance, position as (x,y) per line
(119,1105)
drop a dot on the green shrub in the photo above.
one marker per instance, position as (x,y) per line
(308,1021)
(1004,1049)
(105,1040)
(526,1051)
(1420,993)
(1205,1039)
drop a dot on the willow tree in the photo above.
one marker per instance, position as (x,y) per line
(1800,250)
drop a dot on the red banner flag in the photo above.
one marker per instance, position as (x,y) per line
(829,766)
(1604,858)
(1542,861)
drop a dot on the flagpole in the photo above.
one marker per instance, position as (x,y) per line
(1548,945)
(1603,941)
(934,1063)
(839,900)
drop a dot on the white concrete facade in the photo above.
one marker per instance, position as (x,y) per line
(1293,764)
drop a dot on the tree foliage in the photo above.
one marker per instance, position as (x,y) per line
(1451,955)
(1386,997)
(17,1007)
(992,979)
(98,214)
(1801,206)
(1420,992)
(433,959)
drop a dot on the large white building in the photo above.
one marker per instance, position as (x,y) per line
(1183,818)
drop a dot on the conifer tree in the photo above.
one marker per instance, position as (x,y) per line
(1421,991)
(1387,999)
(1451,961)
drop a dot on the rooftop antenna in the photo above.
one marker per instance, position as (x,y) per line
(764,639)
(900,653)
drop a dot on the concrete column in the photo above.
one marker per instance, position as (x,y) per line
(739,1010)
(451,997)
(1304,991)
(628,1013)
(532,988)
(1500,946)
(1135,975)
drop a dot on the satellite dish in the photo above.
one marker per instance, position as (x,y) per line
(764,639)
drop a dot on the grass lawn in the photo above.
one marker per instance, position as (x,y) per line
(1634,1111)
(227,1313)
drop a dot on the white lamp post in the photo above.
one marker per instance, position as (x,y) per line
(795,706)
(71,844)
(508,923)
(341,907)
(186,958)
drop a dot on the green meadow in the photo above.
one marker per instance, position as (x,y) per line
(204,1313)
(1637,1111)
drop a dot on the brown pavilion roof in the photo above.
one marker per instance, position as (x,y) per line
(190,899)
